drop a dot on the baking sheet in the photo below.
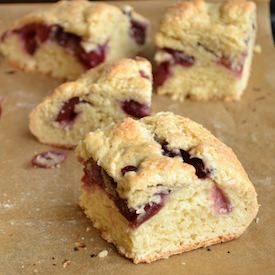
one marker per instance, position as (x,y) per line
(40,220)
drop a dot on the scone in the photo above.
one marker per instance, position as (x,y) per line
(163,185)
(205,50)
(73,36)
(101,96)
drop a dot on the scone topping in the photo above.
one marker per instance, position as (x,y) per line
(50,159)
(33,35)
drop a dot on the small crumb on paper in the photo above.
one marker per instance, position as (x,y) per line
(35,271)
(103,253)
(183,263)
(257,220)
(79,245)
(66,263)
(257,48)
(88,229)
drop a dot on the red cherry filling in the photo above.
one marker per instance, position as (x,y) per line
(180,57)
(135,109)
(32,35)
(237,67)
(201,171)
(144,75)
(93,174)
(162,72)
(50,159)
(138,31)
(127,169)
(221,203)
(67,114)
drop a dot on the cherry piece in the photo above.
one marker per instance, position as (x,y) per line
(169,152)
(150,209)
(67,114)
(138,31)
(180,57)
(221,203)
(144,75)
(135,109)
(227,63)
(128,168)
(92,174)
(161,74)
(50,159)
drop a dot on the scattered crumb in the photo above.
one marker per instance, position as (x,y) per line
(183,263)
(257,48)
(5,194)
(257,220)
(82,238)
(79,245)
(22,266)
(102,253)
(208,249)
(88,229)
(66,263)
(93,255)
(53,258)
(54,264)
(35,271)
(228,252)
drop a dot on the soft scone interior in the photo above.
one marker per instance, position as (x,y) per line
(163,185)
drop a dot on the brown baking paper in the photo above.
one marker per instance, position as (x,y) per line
(40,220)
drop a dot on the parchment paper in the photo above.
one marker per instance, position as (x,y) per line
(40,220)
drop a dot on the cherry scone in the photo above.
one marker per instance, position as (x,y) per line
(205,49)
(163,185)
(73,36)
(101,96)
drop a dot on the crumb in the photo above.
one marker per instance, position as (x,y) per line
(10,72)
(54,264)
(88,229)
(82,238)
(79,245)
(228,252)
(93,255)
(4,194)
(102,253)
(35,271)
(53,258)
(257,220)
(257,48)
(183,263)
(22,266)
(208,249)
(66,263)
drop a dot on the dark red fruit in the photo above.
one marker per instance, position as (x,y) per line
(142,74)
(135,109)
(138,31)
(50,159)
(92,174)
(161,74)
(67,114)
(221,203)
(33,35)
(128,168)
(181,58)
(150,209)
(169,152)
(237,70)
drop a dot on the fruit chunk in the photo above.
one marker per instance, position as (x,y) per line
(50,159)
(221,203)
(135,109)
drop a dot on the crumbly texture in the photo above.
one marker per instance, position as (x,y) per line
(211,33)
(93,22)
(101,91)
(187,220)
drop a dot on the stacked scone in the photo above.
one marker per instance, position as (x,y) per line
(74,36)
(205,49)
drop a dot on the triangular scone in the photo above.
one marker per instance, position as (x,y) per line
(101,96)
(163,185)
(73,36)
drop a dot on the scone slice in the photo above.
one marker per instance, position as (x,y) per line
(74,36)
(103,95)
(163,185)
(205,49)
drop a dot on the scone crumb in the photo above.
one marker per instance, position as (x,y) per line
(88,229)
(35,271)
(257,220)
(102,253)
(79,245)
(66,263)
(257,48)
(183,263)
